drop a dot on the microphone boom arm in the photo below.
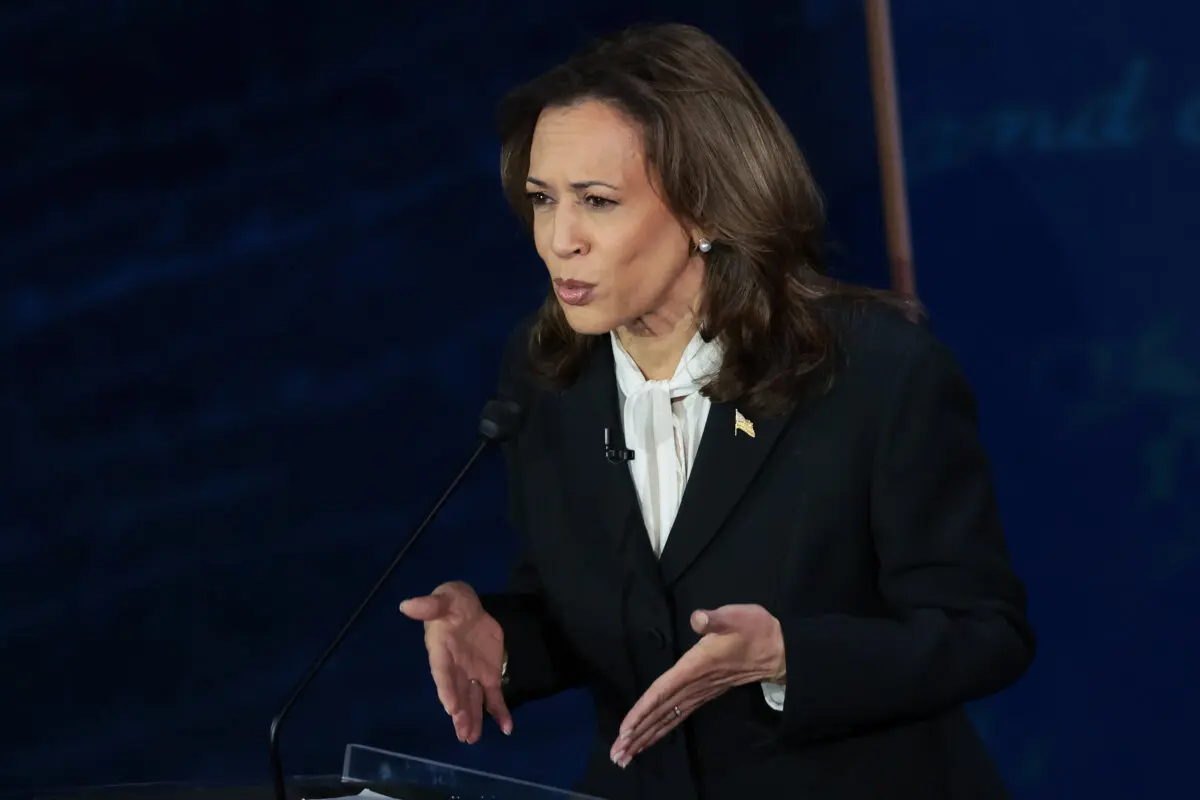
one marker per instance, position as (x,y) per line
(276,761)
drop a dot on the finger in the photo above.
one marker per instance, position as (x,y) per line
(650,735)
(659,721)
(667,685)
(668,723)
(476,713)
(463,718)
(642,719)
(689,697)
(461,723)
(717,620)
(700,622)
(493,699)
(445,678)
(467,708)
(686,671)
(427,608)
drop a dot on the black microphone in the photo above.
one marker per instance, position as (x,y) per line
(616,455)
(500,420)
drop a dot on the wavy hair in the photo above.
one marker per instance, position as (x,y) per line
(724,162)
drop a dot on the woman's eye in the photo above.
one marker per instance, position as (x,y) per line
(596,201)
(591,201)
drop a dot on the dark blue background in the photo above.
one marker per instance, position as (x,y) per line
(256,269)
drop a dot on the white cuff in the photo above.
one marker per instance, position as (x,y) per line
(774,694)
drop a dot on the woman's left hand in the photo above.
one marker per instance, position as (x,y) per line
(739,644)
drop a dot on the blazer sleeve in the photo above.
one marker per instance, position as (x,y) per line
(541,661)
(957,629)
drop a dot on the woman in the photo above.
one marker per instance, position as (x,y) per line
(759,525)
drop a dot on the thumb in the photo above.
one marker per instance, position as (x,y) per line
(427,608)
(710,621)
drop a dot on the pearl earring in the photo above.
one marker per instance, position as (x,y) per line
(704,245)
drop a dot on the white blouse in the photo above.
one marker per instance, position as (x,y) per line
(663,422)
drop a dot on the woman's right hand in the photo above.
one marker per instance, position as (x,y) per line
(466,652)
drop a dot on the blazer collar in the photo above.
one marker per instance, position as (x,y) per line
(729,457)
(589,408)
(731,453)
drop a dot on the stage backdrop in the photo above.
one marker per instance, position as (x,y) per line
(240,237)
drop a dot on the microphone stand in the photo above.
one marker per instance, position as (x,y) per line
(276,761)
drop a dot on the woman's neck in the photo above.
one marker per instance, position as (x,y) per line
(656,342)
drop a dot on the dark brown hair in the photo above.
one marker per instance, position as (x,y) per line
(725,163)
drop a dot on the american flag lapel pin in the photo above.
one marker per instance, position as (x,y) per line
(740,423)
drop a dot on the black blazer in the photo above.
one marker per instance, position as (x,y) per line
(865,521)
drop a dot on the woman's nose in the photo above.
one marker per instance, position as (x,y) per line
(568,237)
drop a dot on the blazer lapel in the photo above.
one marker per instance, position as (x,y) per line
(727,460)
(589,407)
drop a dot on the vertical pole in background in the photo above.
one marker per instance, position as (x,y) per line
(890,147)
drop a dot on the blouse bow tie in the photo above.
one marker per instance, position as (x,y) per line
(660,463)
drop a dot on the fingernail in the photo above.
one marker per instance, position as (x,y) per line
(701,619)
(624,737)
(616,758)
(624,762)
(507,728)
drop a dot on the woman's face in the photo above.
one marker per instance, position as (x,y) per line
(615,253)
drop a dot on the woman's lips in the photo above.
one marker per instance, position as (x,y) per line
(574,293)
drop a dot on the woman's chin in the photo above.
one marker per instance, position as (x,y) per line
(587,320)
